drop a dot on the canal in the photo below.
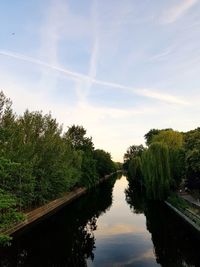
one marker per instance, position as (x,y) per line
(113,225)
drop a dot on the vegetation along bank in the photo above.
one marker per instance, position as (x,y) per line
(168,168)
(39,162)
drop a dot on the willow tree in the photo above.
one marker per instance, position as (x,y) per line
(174,140)
(156,171)
(135,169)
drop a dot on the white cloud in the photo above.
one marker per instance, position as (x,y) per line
(177,11)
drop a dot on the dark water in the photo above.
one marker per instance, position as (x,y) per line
(110,226)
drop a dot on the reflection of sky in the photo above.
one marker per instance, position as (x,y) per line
(121,236)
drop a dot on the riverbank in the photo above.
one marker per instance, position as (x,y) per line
(49,208)
(185,209)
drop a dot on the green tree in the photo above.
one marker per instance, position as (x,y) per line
(135,169)
(174,140)
(8,215)
(76,137)
(156,171)
(151,134)
(192,162)
(104,163)
(132,152)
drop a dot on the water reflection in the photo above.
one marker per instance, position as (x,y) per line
(64,239)
(121,237)
(175,243)
(101,230)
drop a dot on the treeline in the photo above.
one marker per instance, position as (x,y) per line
(38,161)
(170,159)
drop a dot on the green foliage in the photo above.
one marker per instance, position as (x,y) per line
(89,175)
(8,215)
(193,167)
(5,240)
(177,166)
(104,163)
(171,158)
(39,163)
(156,171)
(76,137)
(192,162)
(149,136)
(192,139)
(178,202)
(135,169)
(132,152)
(118,165)
(172,139)
(152,133)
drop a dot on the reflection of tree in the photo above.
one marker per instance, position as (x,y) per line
(64,239)
(135,197)
(174,242)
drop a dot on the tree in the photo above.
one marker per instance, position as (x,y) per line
(151,134)
(192,139)
(8,214)
(193,168)
(104,163)
(156,171)
(172,139)
(76,137)
(38,162)
(192,162)
(135,169)
(133,151)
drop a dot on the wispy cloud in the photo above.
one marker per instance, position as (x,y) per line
(85,78)
(177,11)
(162,97)
(162,55)
(83,88)
(51,32)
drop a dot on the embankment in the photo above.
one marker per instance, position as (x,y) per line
(191,220)
(48,209)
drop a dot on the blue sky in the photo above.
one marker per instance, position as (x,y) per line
(119,68)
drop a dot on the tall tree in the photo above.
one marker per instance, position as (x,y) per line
(104,163)
(76,137)
(156,171)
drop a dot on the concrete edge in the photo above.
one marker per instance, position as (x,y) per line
(188,220)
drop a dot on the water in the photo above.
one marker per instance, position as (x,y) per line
(110,226)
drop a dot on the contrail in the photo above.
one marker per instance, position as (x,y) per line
(81,77)
(72,74)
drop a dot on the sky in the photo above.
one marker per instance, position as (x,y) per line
(118,68)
